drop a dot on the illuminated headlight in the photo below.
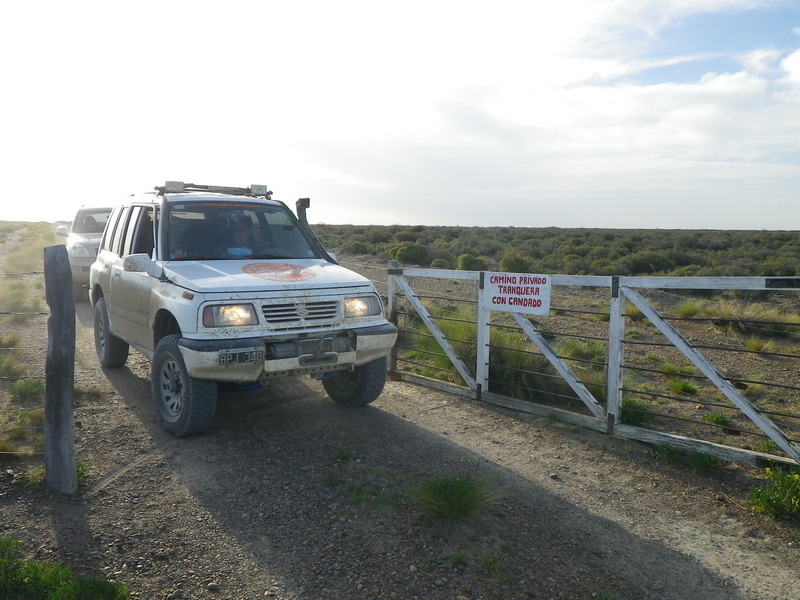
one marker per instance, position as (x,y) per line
(229,315)
(362,306)
(81,251)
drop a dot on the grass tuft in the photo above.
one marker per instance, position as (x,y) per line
(87,393)
(18,298)
(634,413)
(591,350)
(689,308)
(343,455)
(8,360)
(752,319)
(35,580)
(27,389)
(6,447)
(720,419)
(781,497)
(767,447)
(453,498)
(670,369)
(669,454)
(9,366)
(36,476)
(681,386)
(758,344)
(703,463)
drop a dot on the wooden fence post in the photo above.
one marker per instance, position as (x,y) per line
(392,269)
(59,444)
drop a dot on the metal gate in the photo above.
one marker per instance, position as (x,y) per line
(605,413)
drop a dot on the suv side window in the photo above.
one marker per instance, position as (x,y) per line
(115,245)
(140,238)
(132,226)
(113,221)
(145,238)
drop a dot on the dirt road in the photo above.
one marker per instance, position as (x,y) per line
(290,496)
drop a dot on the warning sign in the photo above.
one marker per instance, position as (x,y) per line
(517,292)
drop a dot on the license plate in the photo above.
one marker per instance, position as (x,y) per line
(241,357)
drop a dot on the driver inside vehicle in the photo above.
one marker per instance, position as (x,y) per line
(240,227)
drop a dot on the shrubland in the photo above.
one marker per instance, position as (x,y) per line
(572,251)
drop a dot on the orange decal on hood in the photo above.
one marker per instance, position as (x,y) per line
(279,271)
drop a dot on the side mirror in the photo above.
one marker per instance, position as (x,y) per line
(136,263)
(62,231)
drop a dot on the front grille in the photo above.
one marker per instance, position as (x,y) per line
(300,314)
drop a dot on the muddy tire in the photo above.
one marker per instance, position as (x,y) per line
(112,351)
(358,387)
(184,405)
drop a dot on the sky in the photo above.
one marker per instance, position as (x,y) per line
(579,113)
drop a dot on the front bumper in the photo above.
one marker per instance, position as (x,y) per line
(80,270)
(249,359)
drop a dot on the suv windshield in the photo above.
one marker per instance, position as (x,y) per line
(218,230)
(90,220)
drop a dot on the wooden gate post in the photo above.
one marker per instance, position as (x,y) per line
(483,317)
(615,357)
(59,444)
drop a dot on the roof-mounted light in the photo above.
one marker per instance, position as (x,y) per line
(259,190)
(174,187)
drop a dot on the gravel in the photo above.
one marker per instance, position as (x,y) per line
(291,497)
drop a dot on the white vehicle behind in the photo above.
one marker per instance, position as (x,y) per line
(227,285)
(83,239)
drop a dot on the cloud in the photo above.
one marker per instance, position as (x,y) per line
(418,112)
(762,61)
(791,68)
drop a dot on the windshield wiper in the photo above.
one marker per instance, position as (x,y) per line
(268,256)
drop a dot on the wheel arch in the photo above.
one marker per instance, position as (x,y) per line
(164,324)
(95,293)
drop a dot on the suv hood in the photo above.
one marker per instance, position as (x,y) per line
(90,239)
(244,276)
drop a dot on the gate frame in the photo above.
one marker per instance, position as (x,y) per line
(622,289)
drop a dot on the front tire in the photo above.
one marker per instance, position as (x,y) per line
(358,387)
(184,405)
(112,351)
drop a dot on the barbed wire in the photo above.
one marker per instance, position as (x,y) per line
(22,453)
(16,418)
(25,348)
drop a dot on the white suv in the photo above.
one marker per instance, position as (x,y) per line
(227,285)
(83,239)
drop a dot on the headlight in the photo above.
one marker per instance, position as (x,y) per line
(362,306)
(229,315)
(81,251)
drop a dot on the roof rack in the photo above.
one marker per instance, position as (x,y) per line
(177,187)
